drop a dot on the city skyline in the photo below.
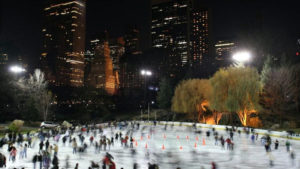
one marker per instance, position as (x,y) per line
(19,26)
(143,72)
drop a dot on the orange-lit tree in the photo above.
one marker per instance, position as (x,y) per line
(190,96)
(236,90)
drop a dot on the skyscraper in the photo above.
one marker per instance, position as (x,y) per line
(169,29)
(200,36)
(62,56)
(117,50)
(101,70)
(132,41)
(182,27)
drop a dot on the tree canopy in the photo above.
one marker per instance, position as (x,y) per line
(281,90)
(189,95)
(236,90)
(165,93)
(36,93)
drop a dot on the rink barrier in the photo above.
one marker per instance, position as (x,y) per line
(280,134)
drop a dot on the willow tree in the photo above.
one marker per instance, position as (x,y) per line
(236,90)
(190,96)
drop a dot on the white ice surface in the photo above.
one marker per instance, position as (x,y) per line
(246,155)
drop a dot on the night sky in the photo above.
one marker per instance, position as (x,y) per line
(20,20)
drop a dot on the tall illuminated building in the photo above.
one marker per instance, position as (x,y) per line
(117,50)
(169,29)
(181,27)
(62,56)
(200,42)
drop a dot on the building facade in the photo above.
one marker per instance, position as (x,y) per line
(132,41)
(100,73)
(130,62)
(3,58)
(200,36)
(223,52)
(182,27)
(62,56)
(117,50)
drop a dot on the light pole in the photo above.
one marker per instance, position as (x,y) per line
(241,58)
(146,73)
(152,102)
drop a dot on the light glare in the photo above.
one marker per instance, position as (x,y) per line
(242,56)
(17,69)
(146,72)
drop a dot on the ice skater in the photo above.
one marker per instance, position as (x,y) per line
(55,162)
(216,139)
(276,144)
(292,156)
(74,146)
(253,138)
(288,145)
(213,165)
(13,154)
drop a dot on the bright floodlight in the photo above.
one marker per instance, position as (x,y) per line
(242,56)
(146,72)
(17,69)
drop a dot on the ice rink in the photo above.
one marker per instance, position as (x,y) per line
(177,146)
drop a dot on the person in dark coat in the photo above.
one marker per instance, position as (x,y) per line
(76,167)
(47,144)
(213,165)
(55,162)
(276,144)
(41,145)
(2,160)
(34,160)
(40,160)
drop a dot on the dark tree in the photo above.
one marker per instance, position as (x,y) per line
(165,93)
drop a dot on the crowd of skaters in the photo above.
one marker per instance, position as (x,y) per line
(47,155)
